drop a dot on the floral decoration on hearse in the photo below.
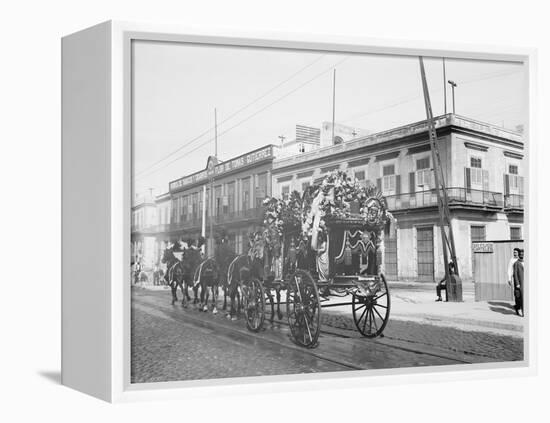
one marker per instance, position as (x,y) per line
(339,197)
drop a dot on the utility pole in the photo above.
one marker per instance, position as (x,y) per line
(454,291)
(453,85)
(215,133)
(333,103)
(212,175)
(444,88)
(282,138)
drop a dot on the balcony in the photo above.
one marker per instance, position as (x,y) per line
(185,224)
(457,197)
(513,202)
(225,218)
(240,215)
(145,229)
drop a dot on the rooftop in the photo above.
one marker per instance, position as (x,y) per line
(401,132)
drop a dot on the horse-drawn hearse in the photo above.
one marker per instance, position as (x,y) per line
(312,248)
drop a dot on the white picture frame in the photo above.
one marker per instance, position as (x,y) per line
(96,155)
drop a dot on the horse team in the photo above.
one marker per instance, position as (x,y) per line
(225,270)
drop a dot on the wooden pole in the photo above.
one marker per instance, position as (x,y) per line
(333,103)
(443,204)
(444,87)
(215,133)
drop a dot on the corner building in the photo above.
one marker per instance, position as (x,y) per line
(239,186)
(483,166)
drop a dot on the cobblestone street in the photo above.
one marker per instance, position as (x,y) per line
(172,343)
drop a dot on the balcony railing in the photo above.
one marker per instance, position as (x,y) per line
(513,201)
(456,196)
(231,217)
(235,216)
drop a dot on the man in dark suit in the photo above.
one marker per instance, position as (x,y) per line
(442,285)
(518,283)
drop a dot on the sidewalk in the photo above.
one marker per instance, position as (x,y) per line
(413,302)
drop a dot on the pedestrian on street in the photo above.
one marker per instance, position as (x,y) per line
(137,272)
(443,282)
(518,284)
(156,277)
(511,266)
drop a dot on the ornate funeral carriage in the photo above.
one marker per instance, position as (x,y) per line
(315,247)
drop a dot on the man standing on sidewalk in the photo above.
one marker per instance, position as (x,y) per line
(455,279)
(511,266)
(518,283)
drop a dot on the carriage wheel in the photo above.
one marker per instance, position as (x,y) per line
(371,312)
(303,309)
(253,304)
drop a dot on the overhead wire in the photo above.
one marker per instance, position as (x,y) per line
(202,134)
(411,98)
(250,116)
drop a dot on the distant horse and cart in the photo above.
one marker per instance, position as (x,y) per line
(312,248)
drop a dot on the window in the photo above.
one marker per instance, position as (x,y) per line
(184,208)
(388,179)
(246,193)
(305,185)
(200,204)
(302,148)
(514,183)
(423,173)
(231,196)
(388,170)
(477,233)
(261,189)
(512,180)
(285,191)
(515,233)
(423,163)
(360,175)
(475,162)
(218,199)
(476,172)
(195,203)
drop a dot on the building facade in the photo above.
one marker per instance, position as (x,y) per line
(144,230)
(483,168)
(225,195)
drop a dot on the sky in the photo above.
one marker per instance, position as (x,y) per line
(260,94)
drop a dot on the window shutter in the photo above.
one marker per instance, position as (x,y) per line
(485,174)
(379,184)
(398,184)
(412,187)
(467,179)
(520,185)
(506,184)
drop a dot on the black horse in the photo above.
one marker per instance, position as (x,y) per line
(206,276)
(190,262)
(175,275)
(242,270)
(237,271)
(224,256)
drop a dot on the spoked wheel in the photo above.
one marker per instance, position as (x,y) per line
(253,301)
(303,309)
(371,311)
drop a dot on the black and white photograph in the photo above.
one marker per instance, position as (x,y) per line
(300,211)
